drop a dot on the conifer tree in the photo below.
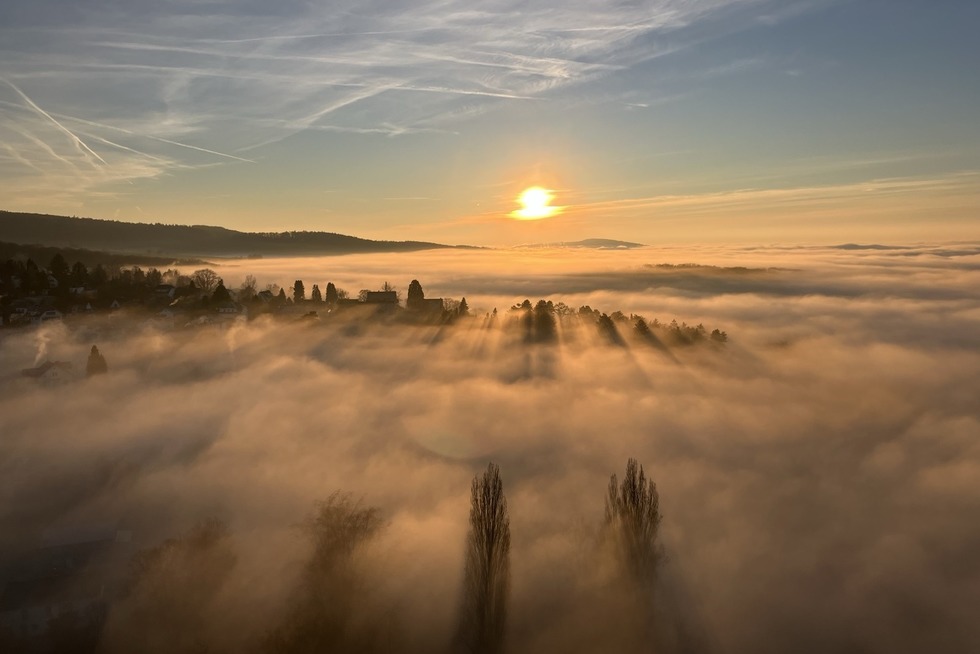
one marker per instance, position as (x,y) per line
(415,295)
(96,363)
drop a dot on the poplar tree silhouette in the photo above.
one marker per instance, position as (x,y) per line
(633,516)
(487,575)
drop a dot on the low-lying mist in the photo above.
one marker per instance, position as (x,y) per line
(818,473)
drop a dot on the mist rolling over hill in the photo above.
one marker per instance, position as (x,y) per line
(184,240)
(817,474)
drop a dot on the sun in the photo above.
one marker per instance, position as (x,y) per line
(535,204)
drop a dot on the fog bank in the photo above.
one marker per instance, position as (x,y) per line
(819,473)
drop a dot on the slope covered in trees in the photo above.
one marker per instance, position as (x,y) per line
(90,258)
(184,240)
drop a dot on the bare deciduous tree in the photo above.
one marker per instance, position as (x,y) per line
(206,280)
(248,288)
(487,575)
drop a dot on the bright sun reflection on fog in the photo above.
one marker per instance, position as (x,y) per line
(535,204)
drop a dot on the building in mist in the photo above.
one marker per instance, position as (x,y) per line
(381,297)
(51,373)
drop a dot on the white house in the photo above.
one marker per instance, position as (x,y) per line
(51,373)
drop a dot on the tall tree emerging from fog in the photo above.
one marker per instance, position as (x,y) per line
(96,363)
(327,611)
(415,295)
(299,291)
(315,295)
(633,518)
(486,582)
(331,297)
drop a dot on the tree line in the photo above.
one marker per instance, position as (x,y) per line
(540,321)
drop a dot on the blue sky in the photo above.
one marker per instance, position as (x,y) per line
(664,120)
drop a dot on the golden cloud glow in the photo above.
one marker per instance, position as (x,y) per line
(535,204)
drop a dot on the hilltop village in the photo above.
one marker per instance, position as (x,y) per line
(101,299)
(32,295)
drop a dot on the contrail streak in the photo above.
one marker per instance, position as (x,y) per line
(17,156)
(308,121)
(155,138)
(78,142)
(123,147)
(47,148)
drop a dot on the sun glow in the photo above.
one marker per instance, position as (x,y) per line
(535,204)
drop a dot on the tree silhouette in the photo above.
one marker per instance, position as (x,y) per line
(98,276)
(633,518)
(59,269)
(221,293)
(415,295)
(608,331)
(463,309)
(299,291)
(206,280)
(168,593)
(319,616)
(96,363)
(79,274)
(248,288)
(32,277)
(487,574)
(544,327)
(315,294)
(331,297)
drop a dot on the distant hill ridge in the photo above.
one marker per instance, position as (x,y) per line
(185,240)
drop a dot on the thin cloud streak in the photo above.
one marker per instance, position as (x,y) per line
(78,142)
(223,76)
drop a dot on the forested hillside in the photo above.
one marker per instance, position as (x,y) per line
(183,240)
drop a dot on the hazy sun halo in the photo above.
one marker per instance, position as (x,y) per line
(535,204)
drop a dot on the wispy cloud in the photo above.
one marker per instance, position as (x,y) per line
(226,78)
(79,143)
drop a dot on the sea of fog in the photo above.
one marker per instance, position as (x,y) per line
(819,473)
